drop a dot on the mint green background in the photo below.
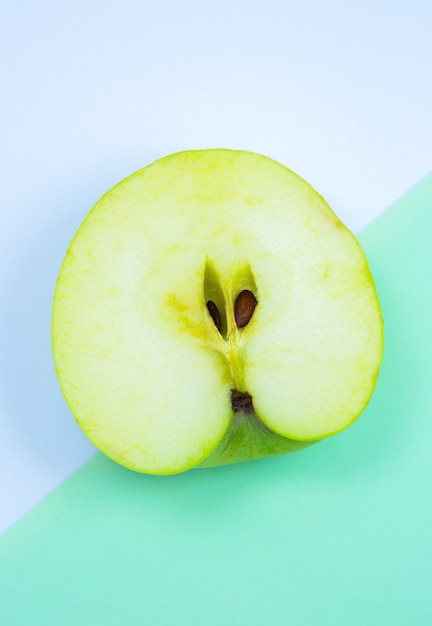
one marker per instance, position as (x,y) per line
(339,534)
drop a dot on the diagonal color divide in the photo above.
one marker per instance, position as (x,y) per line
(337,534)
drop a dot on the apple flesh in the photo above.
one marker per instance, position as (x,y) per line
(212,309)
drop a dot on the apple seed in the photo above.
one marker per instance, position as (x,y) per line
(244,307)
(215,315)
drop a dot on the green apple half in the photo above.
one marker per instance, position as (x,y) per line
(213,309)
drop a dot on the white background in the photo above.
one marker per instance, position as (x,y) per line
(341,92)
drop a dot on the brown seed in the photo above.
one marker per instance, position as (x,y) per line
(244,307)
(214,312)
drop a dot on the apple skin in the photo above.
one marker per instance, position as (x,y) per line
(247,439)
(159,382)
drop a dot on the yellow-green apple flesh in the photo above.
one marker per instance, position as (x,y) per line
(211,309)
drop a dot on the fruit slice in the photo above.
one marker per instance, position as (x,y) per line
(210,309)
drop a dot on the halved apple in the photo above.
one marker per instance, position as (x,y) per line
(212,309)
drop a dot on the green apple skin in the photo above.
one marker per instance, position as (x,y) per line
(148,373)
(248,438)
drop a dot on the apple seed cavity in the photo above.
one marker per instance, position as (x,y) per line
(244,307)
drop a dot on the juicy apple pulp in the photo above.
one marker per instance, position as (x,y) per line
(213,309)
